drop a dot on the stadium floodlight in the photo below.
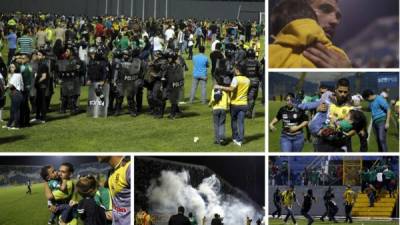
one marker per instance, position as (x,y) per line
(166,8)
(143,2)
(117,7)
(131,8)
(106,9)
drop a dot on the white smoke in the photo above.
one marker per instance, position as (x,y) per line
(173,189)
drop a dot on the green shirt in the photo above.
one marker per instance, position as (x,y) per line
(103,198)
(389,175)
(123,43)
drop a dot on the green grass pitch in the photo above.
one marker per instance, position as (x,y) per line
(125,133)
(19,208)
(274,137)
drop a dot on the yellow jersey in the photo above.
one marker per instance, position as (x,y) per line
(339,112)
(287,49)
(349,197)
(288,198)
(241,85)
(119,183)
(221,104)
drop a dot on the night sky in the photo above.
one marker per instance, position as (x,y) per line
(244,172)
(45,160)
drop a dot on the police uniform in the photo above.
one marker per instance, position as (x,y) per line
(98,71)
(70,84)
(158,94)
(175,76)
(129,80)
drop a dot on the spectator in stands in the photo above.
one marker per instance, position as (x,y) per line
(389,180)
(371,193)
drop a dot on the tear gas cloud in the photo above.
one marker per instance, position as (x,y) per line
(173,189)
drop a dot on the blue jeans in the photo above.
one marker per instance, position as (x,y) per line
(203,84)
(219,117)
(380,134)
(238,113)
(292,143)
(15,112)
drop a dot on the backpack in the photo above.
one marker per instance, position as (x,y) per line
(217,95)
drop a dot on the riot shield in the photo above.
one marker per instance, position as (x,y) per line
(98,100)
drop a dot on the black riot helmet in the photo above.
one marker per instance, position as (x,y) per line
(251,54)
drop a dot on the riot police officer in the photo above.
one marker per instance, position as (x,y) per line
(128,79)
(156,79)
(69,74)
(113,95)
(97,70)
(253,72)
(175,82)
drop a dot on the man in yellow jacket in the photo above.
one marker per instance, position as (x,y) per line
(295,29)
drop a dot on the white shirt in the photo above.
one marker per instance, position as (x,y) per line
(379,177)
(83,54)
(16,81)
(190,43)
(169,33)
(214,44)
(158,44)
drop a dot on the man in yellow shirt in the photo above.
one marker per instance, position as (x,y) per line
(349,200)
(239,88)
(119,183)
(295,29)
(288,198)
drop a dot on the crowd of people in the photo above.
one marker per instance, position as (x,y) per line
(375,181)
(332,117)
(119,57)
(88,200)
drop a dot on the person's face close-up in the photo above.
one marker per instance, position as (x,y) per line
(52,173)
(64,172)
(289,102)
(329,15)
(342,92)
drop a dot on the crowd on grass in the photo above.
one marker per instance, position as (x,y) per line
(120,57)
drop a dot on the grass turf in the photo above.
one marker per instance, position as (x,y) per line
(274,137)
(317,222)
(19,208)
(124,133)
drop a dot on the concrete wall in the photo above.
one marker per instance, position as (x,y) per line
(176,8)
(317,208)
